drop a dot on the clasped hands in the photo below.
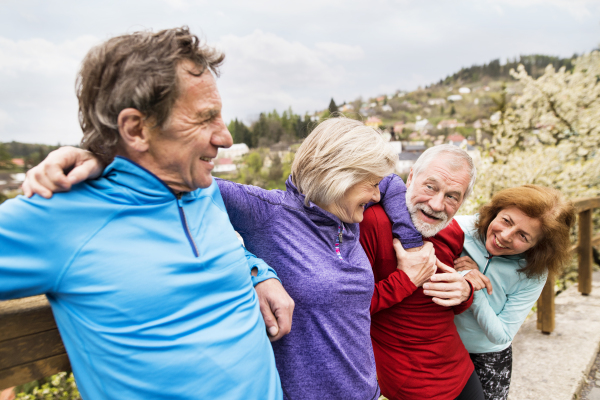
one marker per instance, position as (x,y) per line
(420,265)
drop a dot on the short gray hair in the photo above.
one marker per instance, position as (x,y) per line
(138,70)
(458,158)
(339,153)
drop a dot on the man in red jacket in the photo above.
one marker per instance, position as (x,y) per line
(418,352)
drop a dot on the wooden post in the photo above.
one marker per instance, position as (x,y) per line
(585,252)
(546,314)
(538,324)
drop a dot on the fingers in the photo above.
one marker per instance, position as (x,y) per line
(446,302)
(82,172)
(270,320)
(284,323)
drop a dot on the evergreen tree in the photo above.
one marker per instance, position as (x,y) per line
(332,107)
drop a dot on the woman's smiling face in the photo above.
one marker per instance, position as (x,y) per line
(512,232)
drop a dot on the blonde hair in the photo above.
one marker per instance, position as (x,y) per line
(339,153)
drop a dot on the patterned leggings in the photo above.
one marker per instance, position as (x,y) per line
(494,371)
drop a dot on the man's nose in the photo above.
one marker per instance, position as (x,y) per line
(221,136)
(437,202)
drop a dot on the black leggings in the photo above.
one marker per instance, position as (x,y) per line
(472,390)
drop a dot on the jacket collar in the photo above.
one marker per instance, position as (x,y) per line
(316,213)
(141,184)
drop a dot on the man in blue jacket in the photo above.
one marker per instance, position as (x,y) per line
(151,290)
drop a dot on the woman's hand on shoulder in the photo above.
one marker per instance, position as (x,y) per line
(50,175)
(465,263)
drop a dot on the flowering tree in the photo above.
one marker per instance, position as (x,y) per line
(548,135)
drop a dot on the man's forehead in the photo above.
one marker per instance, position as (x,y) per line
(443,172)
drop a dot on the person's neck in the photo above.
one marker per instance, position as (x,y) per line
(146,161)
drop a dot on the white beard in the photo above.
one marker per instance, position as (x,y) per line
(426,229)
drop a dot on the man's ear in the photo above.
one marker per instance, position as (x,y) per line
(133,131)
(409,178)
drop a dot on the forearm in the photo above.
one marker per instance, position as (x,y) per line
(393,201)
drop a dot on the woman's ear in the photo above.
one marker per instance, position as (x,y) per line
(133,131)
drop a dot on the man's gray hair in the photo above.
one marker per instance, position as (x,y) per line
(458,158)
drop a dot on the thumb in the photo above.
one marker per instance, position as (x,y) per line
(398,247)
(270,320)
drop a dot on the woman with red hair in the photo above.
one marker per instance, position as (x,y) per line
(513,244)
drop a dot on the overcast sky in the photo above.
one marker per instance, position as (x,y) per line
(279,53)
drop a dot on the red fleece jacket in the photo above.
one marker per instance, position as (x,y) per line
(418,352)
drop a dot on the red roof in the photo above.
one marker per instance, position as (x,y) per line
(456,138)
(18,162)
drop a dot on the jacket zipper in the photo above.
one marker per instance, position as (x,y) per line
(338,241)
(186,229)
(489,259)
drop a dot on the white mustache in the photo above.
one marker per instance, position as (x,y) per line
(437,214)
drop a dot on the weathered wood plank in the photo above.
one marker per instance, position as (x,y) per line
(33,371)
(26,349)
(546,302)
(585,252)
(26,316)
(586,204)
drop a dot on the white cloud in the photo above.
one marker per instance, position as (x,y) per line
(264,71)
(341,51)
(578,8)
(37,77)
(41,56)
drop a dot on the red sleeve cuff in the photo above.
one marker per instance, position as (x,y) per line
(462,307)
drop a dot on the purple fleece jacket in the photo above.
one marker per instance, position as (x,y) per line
(328,353)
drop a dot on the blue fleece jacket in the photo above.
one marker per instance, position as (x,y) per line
(152,294)
(491,323)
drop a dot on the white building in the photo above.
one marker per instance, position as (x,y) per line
(464,90)
(455,97)
(436,102)
(234,152)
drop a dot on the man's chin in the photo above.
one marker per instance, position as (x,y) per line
(428,230)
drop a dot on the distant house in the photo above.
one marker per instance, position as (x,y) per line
(19,162)
(224,165)
(454,97)
(398,127)
(406,160)
(436,102)
(346,108)
(417,146)
(447,124)
(234,152)
(456,139)
(373,122)
(423,125)
(380,99)
(464,90)
(386,108)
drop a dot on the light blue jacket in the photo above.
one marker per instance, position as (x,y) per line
(152,294)
(492,322)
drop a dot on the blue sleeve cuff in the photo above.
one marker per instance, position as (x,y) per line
(264,272)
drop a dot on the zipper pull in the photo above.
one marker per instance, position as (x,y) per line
(340,236)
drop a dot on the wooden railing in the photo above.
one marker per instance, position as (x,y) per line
(31,347)
(545,305)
